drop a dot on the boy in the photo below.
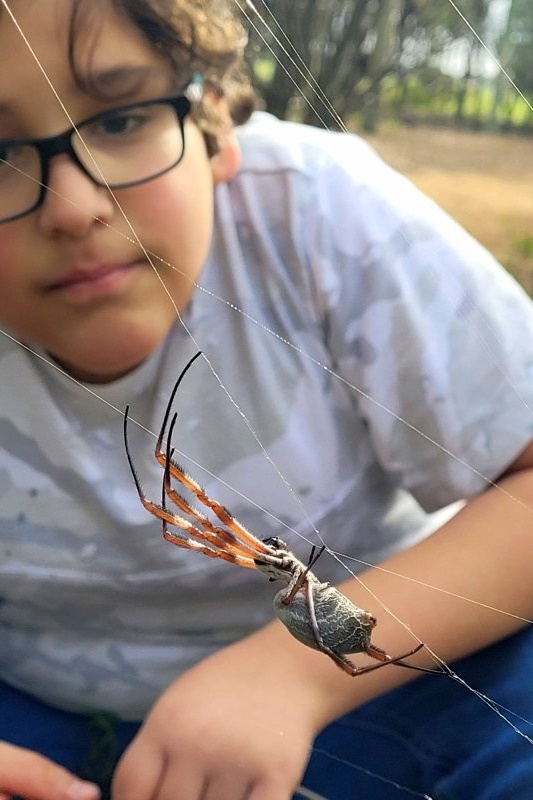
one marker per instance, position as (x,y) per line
(311,238)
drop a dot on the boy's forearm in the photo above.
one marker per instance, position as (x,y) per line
(458,591)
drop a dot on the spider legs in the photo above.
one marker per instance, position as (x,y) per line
(191,536)
(219,537)
(240,537)
(233,543)
(384,658)
(158,448)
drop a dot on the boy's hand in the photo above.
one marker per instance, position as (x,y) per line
(23,772)
(238,726)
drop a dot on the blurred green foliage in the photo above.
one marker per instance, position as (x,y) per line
(327,62)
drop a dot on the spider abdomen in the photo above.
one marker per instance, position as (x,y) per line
(341,626)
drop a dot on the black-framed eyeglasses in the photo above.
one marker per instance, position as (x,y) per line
(118,148)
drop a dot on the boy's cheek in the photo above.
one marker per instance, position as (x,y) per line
(174,214)
(149,208)
(10,237)
(12,267)
(170,193)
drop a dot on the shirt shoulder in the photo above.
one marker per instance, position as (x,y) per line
(272,145)
(332,184)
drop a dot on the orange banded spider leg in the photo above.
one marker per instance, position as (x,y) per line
(248,543)
(243,534)
(159,454)
(191,536)
(220,537)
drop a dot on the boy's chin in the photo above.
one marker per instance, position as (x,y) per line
(100,370)
(101,361)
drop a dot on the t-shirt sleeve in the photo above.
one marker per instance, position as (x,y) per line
(433,337)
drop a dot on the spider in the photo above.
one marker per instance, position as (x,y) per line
(315,613)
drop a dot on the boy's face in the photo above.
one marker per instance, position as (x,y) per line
(73,278)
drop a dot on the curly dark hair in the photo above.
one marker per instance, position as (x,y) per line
(193,35)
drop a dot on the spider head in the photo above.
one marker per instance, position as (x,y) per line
(275,543)
(280,563)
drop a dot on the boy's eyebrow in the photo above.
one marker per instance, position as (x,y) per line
(118,82)
(122,80)
(7,113)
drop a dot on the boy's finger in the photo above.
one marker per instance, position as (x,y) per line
(23,772)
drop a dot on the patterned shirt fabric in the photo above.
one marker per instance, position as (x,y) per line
(371,364)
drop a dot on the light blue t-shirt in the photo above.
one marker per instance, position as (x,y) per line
(343,313)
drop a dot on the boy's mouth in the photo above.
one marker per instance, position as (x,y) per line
(86,283)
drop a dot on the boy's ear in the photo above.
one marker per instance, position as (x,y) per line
(226,162)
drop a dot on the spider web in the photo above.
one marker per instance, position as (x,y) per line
(266,20)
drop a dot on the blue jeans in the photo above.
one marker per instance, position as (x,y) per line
(433,737)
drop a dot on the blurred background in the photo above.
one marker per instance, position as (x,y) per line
(442,89)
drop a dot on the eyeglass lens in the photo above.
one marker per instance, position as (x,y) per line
(118,149)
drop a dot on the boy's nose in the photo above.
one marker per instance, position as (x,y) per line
(73,202)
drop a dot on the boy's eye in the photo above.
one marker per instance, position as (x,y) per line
(120,125)
(16,159)
(7,154)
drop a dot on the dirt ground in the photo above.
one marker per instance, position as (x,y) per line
(485,181)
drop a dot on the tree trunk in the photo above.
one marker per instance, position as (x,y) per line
(387,23)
